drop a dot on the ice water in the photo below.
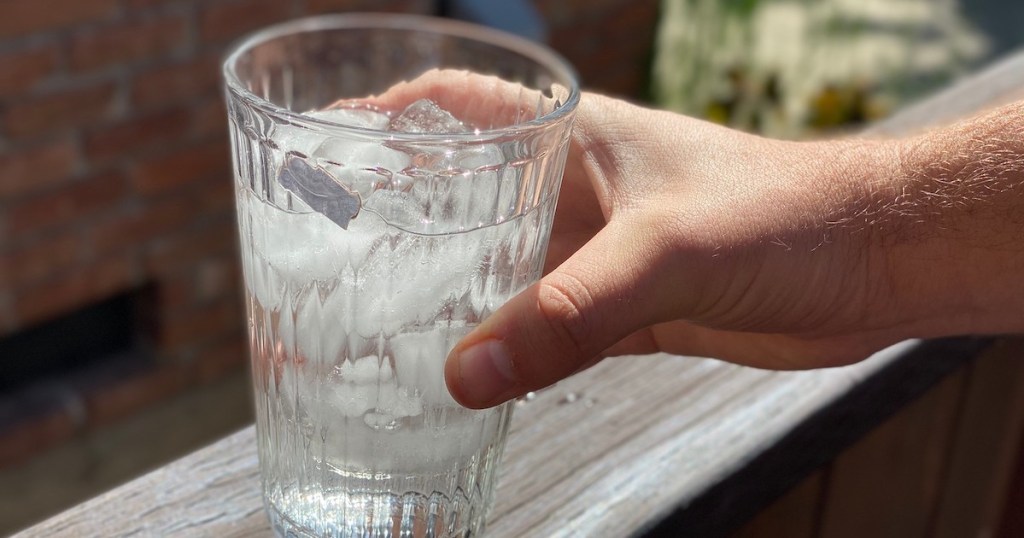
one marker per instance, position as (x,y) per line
(353,308)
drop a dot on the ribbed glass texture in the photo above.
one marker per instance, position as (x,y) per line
(350,321)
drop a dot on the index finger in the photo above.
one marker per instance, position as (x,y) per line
(480,101)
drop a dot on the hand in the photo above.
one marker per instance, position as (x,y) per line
(676,235)
(679,236)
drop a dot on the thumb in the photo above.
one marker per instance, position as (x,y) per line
(552,329)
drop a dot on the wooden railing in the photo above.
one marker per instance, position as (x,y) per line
(678,446)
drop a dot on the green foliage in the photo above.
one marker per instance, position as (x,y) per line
(742,8)
(794,68)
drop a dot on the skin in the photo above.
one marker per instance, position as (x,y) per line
(680,236)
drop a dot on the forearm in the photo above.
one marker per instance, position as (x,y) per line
(949,220)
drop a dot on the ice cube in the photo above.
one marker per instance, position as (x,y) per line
(477,158)
(362,166)
(317,322)
(419,362)
(425,116)
(398,209)
(367,386)
(381,421)
(426,278)
(398,402)
(364,370)
(465,201)
(273,232)
(348,400)
(353,116)
(295,138)
(465,187)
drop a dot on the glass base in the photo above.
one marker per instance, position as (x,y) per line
(412,515)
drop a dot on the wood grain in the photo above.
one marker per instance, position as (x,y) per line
(814,442)
(598,466)
(887,484)
(989,431)
(661,431)
(795,515)
(939,467)
(668,443)
(74,472)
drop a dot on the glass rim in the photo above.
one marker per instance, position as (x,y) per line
(536,52)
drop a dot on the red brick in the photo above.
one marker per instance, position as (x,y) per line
(177,83)
(33,435)
(623,85)
(221,359)
(40,260)
(571,12)
(191,247)
(629,26)
(218,196)
(124,397)
(203,282)
(129,231)
(632,18)
(23,17)
(615,69)
(632,27)
(395,6)
(183,167)
(608,42)
(127,42)
(30,169)
(58,111)
(176,291)
(191,328)
(73,289)
(137,135)
(8,323)
(6,316)
(210,119)
(24,69)
(144,4)
(69,204)
(228,20)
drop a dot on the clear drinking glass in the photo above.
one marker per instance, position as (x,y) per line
(369,252)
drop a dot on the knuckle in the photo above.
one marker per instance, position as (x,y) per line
(565,304)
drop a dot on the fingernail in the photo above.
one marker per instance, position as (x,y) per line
(485,373)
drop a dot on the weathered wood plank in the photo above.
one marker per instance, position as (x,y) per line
(887,485)
(595,466)
(815,441)
(213,492)
(65,476)
(1011,524)
(795,515)
(940,467)
(983,452)
(666,431)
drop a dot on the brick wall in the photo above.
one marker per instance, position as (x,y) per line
(114,176)
(114,168)
(610,42)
